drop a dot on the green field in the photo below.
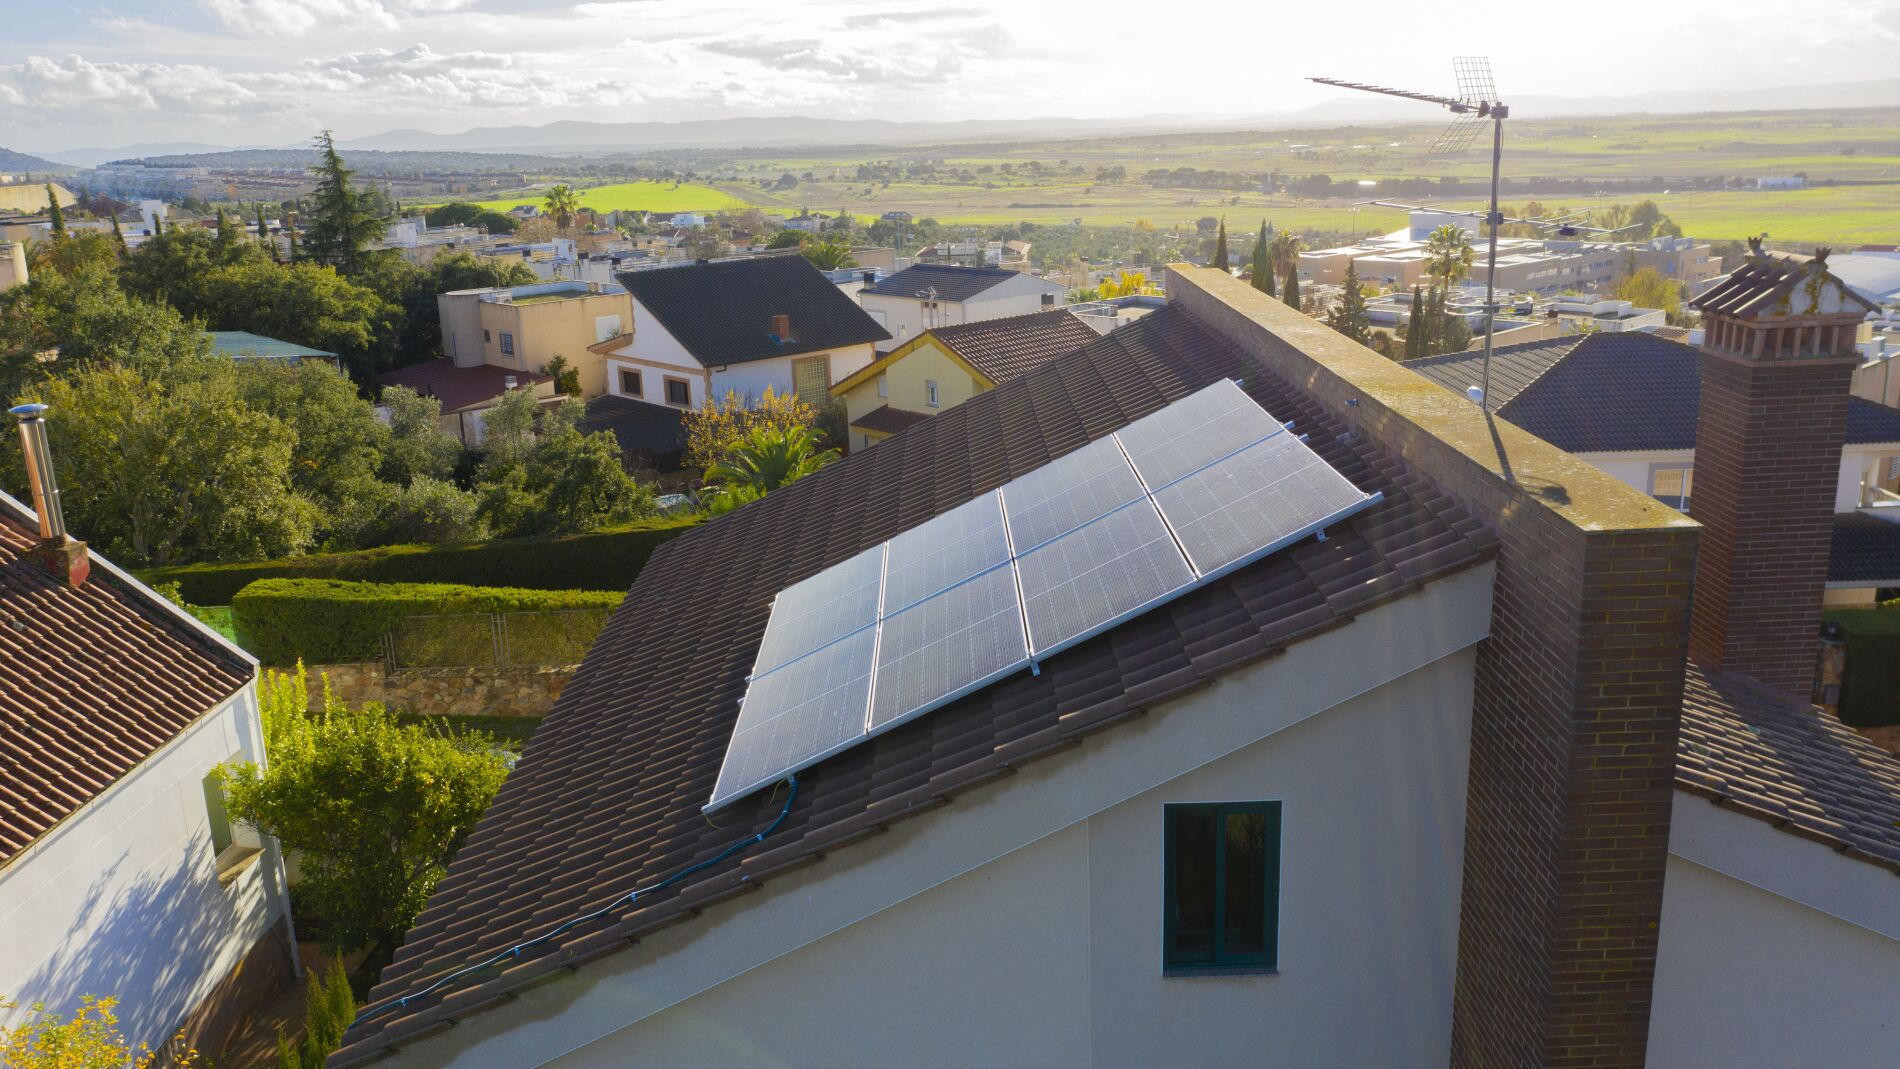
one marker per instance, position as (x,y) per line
(636,196)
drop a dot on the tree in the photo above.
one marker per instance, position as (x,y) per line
(418,447)
(229,237)
(341,223)
(828,255)
(1648,288)
(1124,284)
(56,217)
(90,1040)
(1221,261)
(508,429)
(567,378)
(1416,330)
(375,808)
(75,255)
(714,429)
(562,205)
(1448,254)
(307,303)
(118,236)
(1290,286)
(786,239)
(88,323)
(337,442)
(1348,315)
(459,213)
(329,1007)
(770,457)
(584,486)
(1262,269)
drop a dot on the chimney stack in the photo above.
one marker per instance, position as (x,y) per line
(782,328)
(1778,360)
(59,553)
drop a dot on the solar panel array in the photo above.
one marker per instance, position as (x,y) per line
(1105,533)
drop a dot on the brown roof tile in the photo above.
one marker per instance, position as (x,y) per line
(887,420)
(93,680)
(459,387)
(1005,348)
(607,797)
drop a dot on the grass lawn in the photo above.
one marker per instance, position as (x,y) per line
(642,196)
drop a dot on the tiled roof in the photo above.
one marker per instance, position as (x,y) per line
(458,387)
(639,426)
(722,311)
(1760,752)
(887,420)
(1004,348)
(1612,392)
(93,680)
(1765,284)
(1866,549)
(951,282)
(608,795)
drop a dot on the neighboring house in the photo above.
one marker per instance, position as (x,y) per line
(940,369)
(467,393)
(741,325)
(926,296)
(650,435)
(120,872)
(521,328)
(243,345)
(1629,403)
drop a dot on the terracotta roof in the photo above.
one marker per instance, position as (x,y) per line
(92,681)
(887,420)
(1866,550)
(951,282)
(722,311)
(630,753)
(458,387)
(1765,285)
(639,426)
(1612,392)
(1762,753)
(1002,349)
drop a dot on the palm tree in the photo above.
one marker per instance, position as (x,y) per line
(767,458)
(562,205)
(1285,251)
(828,255)
(1448,254)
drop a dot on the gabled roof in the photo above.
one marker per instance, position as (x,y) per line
(722,311)
(1760,752)
(1002,349)
(93,680)
(639,426)
(1778,283)
(459,388)
(1612,392)
(951,282)
(630,753)
(1865,551)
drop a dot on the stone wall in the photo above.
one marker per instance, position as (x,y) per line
(445,691)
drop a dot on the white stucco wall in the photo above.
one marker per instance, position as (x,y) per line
(1775,951)
(905,317)
(1021,925)
(752,377)
(123,897)
(1633,468)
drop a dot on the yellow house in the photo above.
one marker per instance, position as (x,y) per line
(946,366)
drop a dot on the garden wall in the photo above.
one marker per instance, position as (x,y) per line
(446,691)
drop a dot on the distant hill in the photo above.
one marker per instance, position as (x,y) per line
(366,161)
(12,162)
(571,136)
(93,157)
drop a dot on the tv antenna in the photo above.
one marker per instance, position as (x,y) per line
(1477,102)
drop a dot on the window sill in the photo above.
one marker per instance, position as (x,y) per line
(1193,972)
(233,862)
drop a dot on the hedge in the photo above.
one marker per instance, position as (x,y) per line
(1870,688)
(598,560)
(327,621)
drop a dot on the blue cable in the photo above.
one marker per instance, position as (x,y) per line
(372,1012)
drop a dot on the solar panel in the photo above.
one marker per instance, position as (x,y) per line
(938,649)
(1194,431)
(822,609)
(1065,494)
(947,550)
(1092,577)
(1255,501)
(1060,554)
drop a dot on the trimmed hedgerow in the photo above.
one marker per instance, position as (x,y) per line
(327,621)
(1870,688)
(598,560)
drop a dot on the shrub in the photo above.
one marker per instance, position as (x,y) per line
(608,559)
(328,1009)
(1870,689)
(330,620)
(90,1040)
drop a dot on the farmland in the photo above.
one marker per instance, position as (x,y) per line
(639,196)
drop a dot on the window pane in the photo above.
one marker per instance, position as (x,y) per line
(1246,841)
(629,382)
(1195,842)
(219,822)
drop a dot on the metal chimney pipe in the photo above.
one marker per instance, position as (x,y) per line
(39,470)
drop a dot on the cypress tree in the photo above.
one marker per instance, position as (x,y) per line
(158,225)
(58,217)
(1290,286)
(1349,316)
(1220,245)
(1262,263)
(341,222)
(117,234)
(1415,327)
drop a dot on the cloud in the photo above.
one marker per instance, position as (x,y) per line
(302,16)
(840,63)
(880,19)
(75,88)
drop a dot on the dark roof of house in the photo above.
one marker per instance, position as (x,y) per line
(93,680)
(458,387)
(951,282)
(887,420)
(1866,550)
(1002,349)
(639,426)
(1760,752)
(1765,285)
(722,311)
(608,795)
(1612,392)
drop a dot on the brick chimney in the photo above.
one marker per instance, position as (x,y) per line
(782,328)
(57,552)
(1778,359)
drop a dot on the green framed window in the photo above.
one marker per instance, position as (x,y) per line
(1221,895)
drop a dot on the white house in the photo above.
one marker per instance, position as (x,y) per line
(120,872)
(926,296)
(741,325)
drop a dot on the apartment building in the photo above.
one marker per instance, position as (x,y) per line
(521,328)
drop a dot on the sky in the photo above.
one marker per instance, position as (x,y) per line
(269,72)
